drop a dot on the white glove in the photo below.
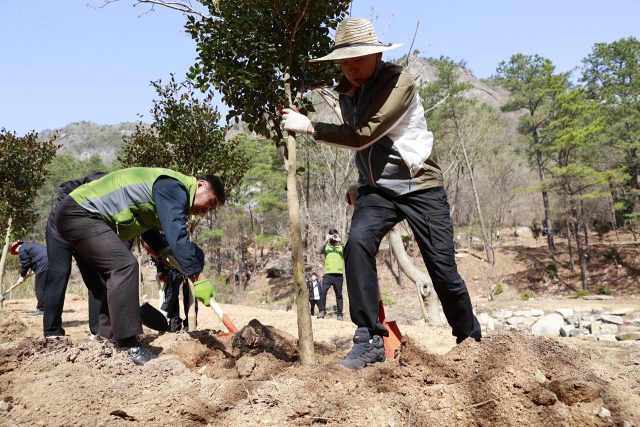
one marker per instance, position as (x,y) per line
(295,122)
(20,280)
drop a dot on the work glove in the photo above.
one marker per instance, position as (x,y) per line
(203,290)
(20,280)
(294,121)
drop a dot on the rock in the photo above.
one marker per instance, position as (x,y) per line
(607,338)
(497,323)
(595,329)
(476,278)
(536,312)
(612,319)
(5,406)
(503,314)
(483,318)
(597,297)
(591,318)
(588,337)
(628,336)
(627,328)
(604,413)
(608,329)
(245,365)
(542,396)
(522,313)
(573,320)
(281,268)
(566,329)
(529,321)
(548,325)
(622,311)
(574,391)
(575,333)
(635,321)
(578,310)
(597,310)
(565,312)
(540,377)
(515,320)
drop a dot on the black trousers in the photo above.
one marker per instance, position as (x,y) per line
(41,285)
(99,245)
(59,271)
(313,303)
(175,280)
(427,212)
(328,281)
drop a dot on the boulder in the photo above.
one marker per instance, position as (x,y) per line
(504,314)
(529,321)
(576,333)
(621,311)
(591,318)
(497,324)
(608,329)
(634,321)
(566,329)
(565,312)
(597,310)
(595,329)
(548,325)
(515,320)
(607,338)
(572,320)
(597,297)
(612,319)
(536,312)
(522,313)
(627,328)
(588,337)
(628,336)
(282,268)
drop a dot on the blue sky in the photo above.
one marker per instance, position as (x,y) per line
(64,62)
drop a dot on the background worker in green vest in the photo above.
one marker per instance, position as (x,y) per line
(99,216)
(333,271)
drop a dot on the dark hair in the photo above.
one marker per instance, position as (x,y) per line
(333,231)
(216,184)
(314,274)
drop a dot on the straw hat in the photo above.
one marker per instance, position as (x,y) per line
(355,37)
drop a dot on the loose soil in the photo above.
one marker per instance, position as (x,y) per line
(511,378)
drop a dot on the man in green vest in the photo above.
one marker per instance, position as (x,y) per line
(99,216)
(333,271)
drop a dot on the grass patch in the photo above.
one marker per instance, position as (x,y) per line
(612,254)
(552,270)
(579,293)
(386,299)
(497,289)
(604,290)
(527,295)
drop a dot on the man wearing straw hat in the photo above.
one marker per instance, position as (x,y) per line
(383,120)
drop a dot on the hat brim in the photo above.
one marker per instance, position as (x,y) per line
(355,51)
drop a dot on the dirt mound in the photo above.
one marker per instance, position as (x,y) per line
(255,338)
(11,327)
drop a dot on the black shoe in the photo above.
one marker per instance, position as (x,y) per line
(175,324)
(139,353)
(366,351)
(37,313)
(340,318)
(321,315)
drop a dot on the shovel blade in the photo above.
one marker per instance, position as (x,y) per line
(395,337)
(152,318)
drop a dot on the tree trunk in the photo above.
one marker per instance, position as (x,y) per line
(3,259)
(427,295)
(305,333)
(391,255)
(613,218)
(545,195)
(573,266)
(586,231)
(311,245)
(581,257)
(487,244)
(240,259)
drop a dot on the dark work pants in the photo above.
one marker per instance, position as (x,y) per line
(101,247)
(427,212)
(328,281)
(175,279)
(59,271)
(41,285)
(313,303)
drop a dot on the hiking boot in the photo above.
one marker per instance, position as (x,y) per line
(366,350)
(139,353)
(340,318)
(321,314)
(37,313)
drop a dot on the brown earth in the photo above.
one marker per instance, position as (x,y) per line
(253,378)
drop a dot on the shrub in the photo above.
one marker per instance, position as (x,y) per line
(386,299)
(552,270)
(603,228)
(527,295)
(579,293)
(605,290)
(497,289)
(536,230)
(290,304)
(612,254)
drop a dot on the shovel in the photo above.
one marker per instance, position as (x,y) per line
(153,318)
(171,260)
(16,285)
(395,337)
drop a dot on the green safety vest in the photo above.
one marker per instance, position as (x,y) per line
(334,259)
(124,199)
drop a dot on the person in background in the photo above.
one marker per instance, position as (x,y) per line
(60,254)
(333,250)
(247,273)
(33,256)
(314,292)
